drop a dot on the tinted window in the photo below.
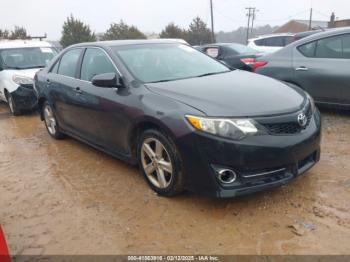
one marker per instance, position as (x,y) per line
(275,41)
(309,49)
(329,48)
(260,42)
(288,40)
(69,62)
(95,62)
(346,46)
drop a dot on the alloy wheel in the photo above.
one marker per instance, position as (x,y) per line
(50,120)
(156,163)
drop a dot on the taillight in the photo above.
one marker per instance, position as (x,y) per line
(259,64)
(253,63)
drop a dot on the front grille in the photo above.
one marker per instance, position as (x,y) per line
(288,128)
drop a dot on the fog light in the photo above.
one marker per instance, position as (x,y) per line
(226,176)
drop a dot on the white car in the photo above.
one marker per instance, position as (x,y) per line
(271,43)
(19,61)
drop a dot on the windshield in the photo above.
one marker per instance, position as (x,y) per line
(25,58)
(241,49)
(167,62)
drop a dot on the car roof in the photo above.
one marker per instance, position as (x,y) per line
(327,33)
(8,44)
(131,42)
(272,35)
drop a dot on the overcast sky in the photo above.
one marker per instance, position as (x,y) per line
(47,16)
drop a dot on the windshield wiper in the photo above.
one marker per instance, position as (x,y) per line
(162,81)
(213,73)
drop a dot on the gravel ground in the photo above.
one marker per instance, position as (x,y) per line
(64,197)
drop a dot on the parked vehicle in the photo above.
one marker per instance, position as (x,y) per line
(271,43)
(19,61)
(274,42)
(186,119)
(319,64)
(234,55)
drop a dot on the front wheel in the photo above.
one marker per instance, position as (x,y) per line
(51,122)
(160,163)
(12,105)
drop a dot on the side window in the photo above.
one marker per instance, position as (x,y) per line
(329,48)
(69,62)
(260,42)
(54,69)
(95,62)
(308,50)
(275,41)
(212,51)
(346,46)
(288,40)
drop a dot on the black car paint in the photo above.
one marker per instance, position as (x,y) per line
(230,57)
(110,119)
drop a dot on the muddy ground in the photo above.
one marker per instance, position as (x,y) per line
(64,197)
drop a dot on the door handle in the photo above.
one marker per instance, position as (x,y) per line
(78,90)
(302,68)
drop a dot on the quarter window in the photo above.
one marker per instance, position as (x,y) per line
(55,68)
(309,49)
(95,62)
(69,62)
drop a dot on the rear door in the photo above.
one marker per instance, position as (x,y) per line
(62,84)
(322,68)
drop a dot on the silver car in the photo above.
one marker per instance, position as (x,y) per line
(319,64)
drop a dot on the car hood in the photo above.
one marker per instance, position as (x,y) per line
(24,72)
(234,94)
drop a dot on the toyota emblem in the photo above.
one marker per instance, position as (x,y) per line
(302,120)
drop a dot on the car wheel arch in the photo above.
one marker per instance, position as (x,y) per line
(142,126)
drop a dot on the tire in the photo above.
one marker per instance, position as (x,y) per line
(158,175)
(12,105)
(50,121)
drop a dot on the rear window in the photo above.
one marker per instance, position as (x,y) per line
(275,41)
(69,62)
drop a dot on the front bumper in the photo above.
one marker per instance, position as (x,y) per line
(261,162)
(24,98)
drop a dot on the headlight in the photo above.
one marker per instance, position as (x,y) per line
(22,80)
(312,102)
(229,128)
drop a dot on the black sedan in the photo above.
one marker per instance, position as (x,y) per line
(233,55)
(187,120)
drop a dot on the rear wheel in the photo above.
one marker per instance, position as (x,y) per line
(12,105)
(160,163)
(51,122)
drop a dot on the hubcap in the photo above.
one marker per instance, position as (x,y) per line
(50,120)
(11,104)
(156,163)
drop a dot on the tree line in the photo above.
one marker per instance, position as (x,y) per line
(76,31)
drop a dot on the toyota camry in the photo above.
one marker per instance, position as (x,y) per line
(188,121)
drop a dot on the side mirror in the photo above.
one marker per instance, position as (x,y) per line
(107,80)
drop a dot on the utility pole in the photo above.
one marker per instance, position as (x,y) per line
(310,21)
(253,19)
(212,22)
(250,14)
